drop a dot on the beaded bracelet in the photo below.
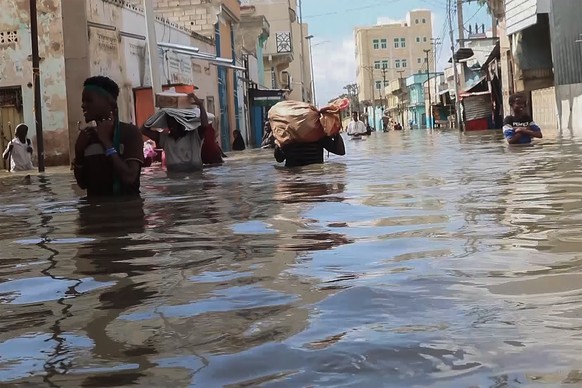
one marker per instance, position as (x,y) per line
(110,151)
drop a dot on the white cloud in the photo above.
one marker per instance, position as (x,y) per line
(334,66)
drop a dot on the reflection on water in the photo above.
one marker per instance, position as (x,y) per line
(419,259)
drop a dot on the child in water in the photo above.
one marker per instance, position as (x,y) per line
(519,128)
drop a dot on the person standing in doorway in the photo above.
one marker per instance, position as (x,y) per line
(238,144)
(18,153)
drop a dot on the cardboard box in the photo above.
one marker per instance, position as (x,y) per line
(173,100)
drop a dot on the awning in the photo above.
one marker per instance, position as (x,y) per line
(462,53)
(194,52)
(479,86)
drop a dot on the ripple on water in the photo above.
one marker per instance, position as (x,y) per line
(422,258)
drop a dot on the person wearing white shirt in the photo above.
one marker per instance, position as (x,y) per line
(356,127)
(19,150)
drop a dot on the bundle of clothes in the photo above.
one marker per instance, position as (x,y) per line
(189,118)
(211,153)
(300,122)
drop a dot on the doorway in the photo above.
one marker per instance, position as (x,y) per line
(10,116)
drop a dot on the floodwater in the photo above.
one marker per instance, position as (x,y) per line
(419,259)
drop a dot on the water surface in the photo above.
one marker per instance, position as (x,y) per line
(419,259)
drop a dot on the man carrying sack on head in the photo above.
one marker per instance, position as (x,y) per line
(302,132)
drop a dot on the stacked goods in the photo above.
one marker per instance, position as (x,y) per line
(189,118)
(173,100)
(300,122)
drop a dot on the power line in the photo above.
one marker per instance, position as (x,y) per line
(475,14)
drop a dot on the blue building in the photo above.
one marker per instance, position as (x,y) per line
(416,104)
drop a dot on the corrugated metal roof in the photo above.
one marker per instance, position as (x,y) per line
(566,29)
(520,14)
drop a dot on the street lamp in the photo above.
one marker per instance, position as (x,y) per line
(310,38)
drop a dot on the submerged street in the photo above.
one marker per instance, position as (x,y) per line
(420,258)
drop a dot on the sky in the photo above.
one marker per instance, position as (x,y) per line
(332,23)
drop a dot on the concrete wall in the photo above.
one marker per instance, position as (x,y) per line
(124,59)
(569,102)
(299,67)
(195,15)
(16,70)
(544,108)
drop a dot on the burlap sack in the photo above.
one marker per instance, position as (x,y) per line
(330,116)
(295,122)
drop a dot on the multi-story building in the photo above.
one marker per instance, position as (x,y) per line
(108,37)
(391,51)
(286,53)
(218,20)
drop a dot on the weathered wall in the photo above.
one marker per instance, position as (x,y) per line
(195,15)
(16,70)
(76,53)
(569,102)
(544,108)
(124,59)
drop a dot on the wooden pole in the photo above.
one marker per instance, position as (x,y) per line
(36,82)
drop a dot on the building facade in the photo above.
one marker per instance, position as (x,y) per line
(416,101)
(286,56)
(217,20)
(391,51)
(107,38)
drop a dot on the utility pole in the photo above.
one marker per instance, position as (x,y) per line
(152,46)
(460,23)
(36,81)
(384,70)
(461,27)
(313,96)
(371,70)
(435,43)
(429,108)
(400,72)
(302,51)
(455,72)
(384,100)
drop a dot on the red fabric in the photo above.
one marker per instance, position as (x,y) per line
(211,152)
(477,125)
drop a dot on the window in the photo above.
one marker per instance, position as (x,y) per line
(383,43)
(424,39)
(385,64)
(418,39)
(397,63)
(404,63)
(416,21)
(376,65)
(376,43)
(419,60)
(396,43)
(402,42)
(378,85)
(386,83)
(423,21)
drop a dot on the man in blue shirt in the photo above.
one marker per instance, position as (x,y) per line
(519,128)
